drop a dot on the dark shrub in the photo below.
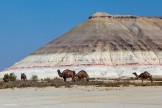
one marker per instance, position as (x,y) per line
(12,77)
(6,78)
(34,78)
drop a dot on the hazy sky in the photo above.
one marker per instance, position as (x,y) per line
(26,25)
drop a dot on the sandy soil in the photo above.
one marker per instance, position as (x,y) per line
(80,97)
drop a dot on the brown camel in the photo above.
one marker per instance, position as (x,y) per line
(23,77)
(67,74)
(82,74)
(143,76)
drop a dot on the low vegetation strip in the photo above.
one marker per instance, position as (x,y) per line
(56,82)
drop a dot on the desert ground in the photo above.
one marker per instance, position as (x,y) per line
(82,96)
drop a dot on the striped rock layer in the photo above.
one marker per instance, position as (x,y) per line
(104,45)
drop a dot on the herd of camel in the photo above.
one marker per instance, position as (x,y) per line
(83,75)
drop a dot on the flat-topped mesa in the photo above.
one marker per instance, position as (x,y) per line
(105,15)
(108,34)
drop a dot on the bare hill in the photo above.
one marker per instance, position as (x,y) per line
(105,45)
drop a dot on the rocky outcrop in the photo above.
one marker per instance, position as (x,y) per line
(102,41)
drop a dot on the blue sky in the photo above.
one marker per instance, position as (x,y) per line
(26,25)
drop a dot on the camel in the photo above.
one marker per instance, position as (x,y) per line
(23,77)
(67,74)
(144,75)
(82,74)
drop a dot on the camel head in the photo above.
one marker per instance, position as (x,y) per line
(59,73)
(76,75)
(134,73)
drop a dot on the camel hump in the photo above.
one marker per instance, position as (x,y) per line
(66,70)
(22,74)
(147,73)
(83,71)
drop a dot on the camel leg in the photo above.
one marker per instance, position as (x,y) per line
(151,79)
(64,79)
(74,79)
(82,79)
(79,78)
(142,80)
(87,78)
